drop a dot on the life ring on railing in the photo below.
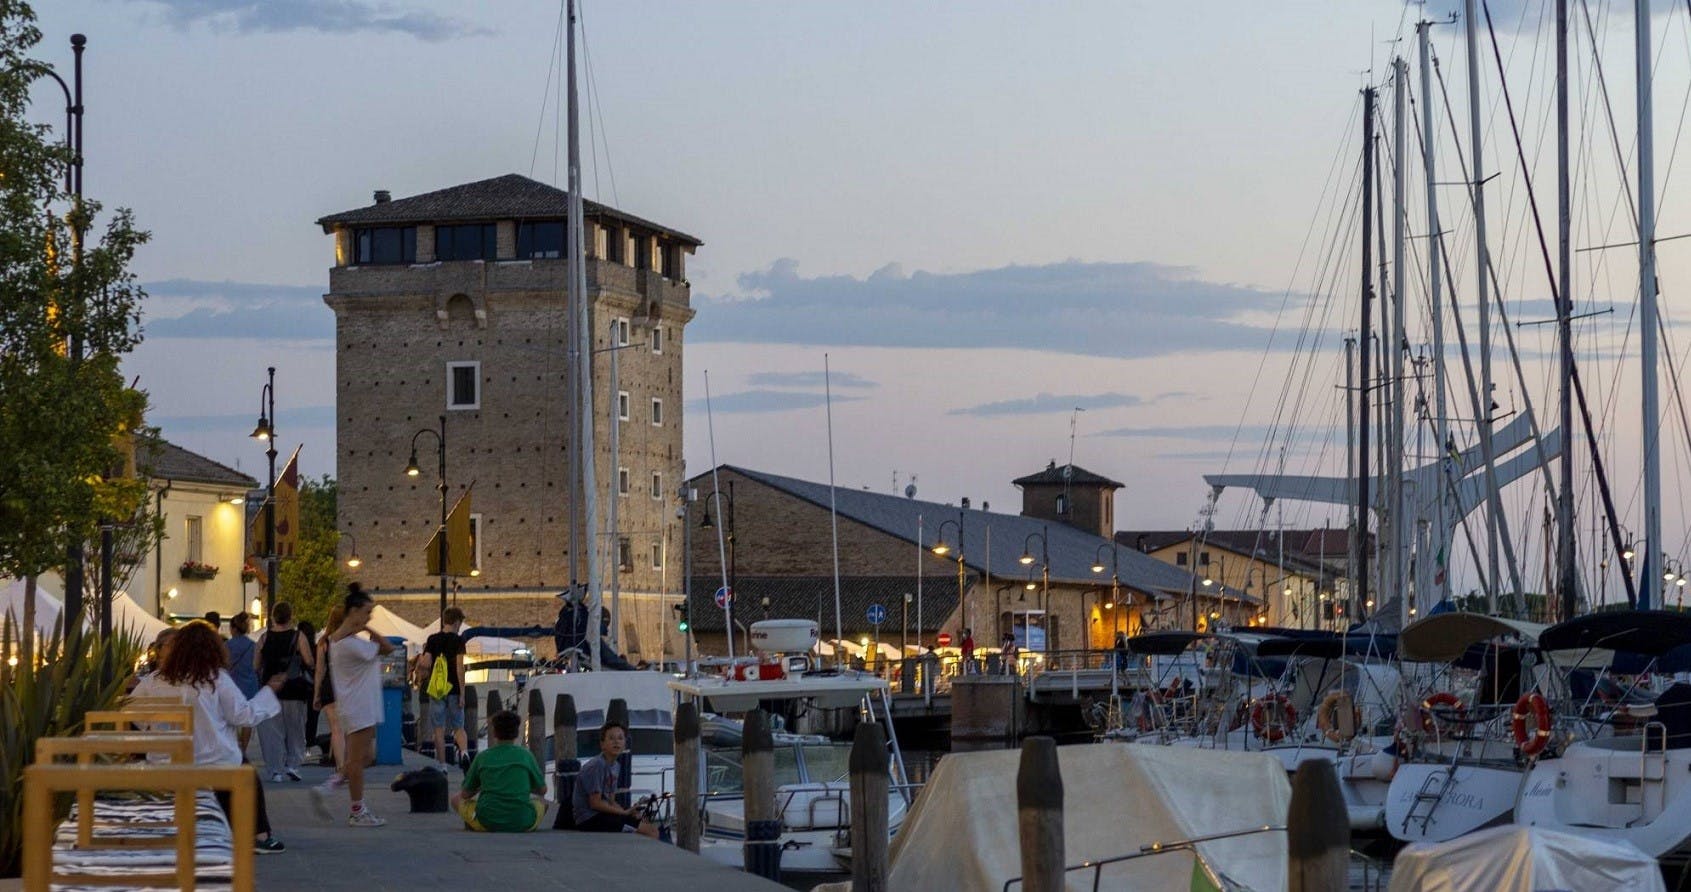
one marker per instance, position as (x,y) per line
(1430,707)
(1272,728)
(1175,690)
(1334,705)
(1534,743)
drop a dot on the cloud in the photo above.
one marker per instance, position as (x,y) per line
(809,380)
(1190,432)
(329,16)
(1101,309)
(286,419)
(198,309)
(747,401)
(1049,403)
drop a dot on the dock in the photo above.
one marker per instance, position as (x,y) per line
(434,851)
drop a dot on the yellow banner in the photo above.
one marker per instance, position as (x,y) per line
(460,541)
(287,507)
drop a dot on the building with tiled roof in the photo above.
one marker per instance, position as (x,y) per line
(195,566)
(1300,574)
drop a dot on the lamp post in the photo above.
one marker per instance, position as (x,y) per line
(353,560)
(687,495)
(728,538)
(1044,576)
(265,432)
(411,470)
(942,549)
(1115,575)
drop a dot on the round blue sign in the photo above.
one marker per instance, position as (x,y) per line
(877,614)
(723,596)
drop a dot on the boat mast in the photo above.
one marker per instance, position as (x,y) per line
(1441,416)
(584,358)
(1360,534)
(1354,547)
(1566,580)
(1394,436)
(1649,590)
(1494,503)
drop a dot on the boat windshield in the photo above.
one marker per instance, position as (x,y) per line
(825,762)
(641,742)
(723,774)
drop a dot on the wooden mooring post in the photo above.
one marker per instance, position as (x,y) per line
(566,766)
(1039,815)
(869,789)
(493,703)
(537,726)
(763,822)
(472,725)
(1317,831)
(688,826)
(617,711)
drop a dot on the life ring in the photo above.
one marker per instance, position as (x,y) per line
(1272,729)
(1531,744)
(1174,690)
(1442,700)
(1335,704)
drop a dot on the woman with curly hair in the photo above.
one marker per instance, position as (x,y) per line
(195,670)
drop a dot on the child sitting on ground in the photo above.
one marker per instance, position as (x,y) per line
(503,790)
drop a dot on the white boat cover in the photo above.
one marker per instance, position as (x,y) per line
(961,832)
(1523,859)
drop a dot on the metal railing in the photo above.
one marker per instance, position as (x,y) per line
(1161,848)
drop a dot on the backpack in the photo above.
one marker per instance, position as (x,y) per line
(440,680)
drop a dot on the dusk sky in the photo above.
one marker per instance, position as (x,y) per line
(986,214)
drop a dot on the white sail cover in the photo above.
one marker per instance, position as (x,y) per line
(961,832)
(1523,859)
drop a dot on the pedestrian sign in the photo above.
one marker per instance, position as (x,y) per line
(877,614)
(723,596)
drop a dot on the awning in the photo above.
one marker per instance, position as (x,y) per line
(1647,632)
(1445,637)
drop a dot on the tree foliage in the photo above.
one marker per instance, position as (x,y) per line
(311,580)
(64,422)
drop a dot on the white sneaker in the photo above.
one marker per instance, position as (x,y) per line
(293,775)
(334,784)
(365,818)
(276,777)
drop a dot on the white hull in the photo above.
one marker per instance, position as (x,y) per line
(1608,789)
(1474,797)
(1364,777)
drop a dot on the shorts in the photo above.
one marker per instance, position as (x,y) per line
(608,823)
(447,714)
(467,811)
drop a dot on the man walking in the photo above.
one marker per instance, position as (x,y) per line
(355,662)
(447,712)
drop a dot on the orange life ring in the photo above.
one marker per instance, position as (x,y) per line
(1174,690)
(1327,716)
(1444,699)
(1534,743)
(1272,729)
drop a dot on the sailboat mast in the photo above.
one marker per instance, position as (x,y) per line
(1394,483)
(1649,591)
(1360,583)
(584,357)
(1482,266)
(1435,283)
(1566,580)
(1353,552)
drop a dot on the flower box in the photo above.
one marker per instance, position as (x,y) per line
(195,570)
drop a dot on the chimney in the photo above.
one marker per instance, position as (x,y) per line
(965,503)
(383,196)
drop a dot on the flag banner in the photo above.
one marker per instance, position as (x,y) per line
(460,541)
(287,507)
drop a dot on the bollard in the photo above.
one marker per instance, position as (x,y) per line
(869,788)
(567,765)
(763,822)
(493,703)
(537,726)
(472,725)
(425,726)
(617,711)
(1317,831)
(1039,815)
(687,754)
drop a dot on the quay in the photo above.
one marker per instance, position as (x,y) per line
(434,851)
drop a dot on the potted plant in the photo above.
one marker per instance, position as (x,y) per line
(197,570)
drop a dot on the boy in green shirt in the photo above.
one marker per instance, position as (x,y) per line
(502,790)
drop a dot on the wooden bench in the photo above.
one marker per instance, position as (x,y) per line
(175,835)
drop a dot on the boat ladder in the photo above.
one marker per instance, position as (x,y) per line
(1427,798)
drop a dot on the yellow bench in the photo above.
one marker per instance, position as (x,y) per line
(178,748)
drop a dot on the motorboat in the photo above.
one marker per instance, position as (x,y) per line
(651,721)
(1458,767)
(1631,781)
(1181,688)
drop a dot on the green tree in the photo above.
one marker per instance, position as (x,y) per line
(63,421)
(311,580)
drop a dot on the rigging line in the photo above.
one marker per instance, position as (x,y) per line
(551,68)
(592,113)
(599,120)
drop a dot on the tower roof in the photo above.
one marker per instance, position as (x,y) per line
(1058,475)
(508,197)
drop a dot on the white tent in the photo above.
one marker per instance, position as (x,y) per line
(1523,859)
(47,607)
(388,624)
(137,620)
(961,832)
(480,646)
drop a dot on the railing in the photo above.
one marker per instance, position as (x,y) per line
(1160,848)
(829,792)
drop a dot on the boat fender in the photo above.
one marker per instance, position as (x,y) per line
(1531,744)
(1334,705)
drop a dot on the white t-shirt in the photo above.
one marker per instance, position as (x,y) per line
(218,710)
(357,672)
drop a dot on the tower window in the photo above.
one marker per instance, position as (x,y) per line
(622,405)
(387,244)
(622,481)
(657,339)
(540,240)
(463,385)
(622,332)
(625,554)
(657,555)
(1062,505)
(657,412)
(472,241)
(657,485)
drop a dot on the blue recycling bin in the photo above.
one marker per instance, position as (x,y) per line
(390,734)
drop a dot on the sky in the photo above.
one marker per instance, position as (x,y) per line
(981,216)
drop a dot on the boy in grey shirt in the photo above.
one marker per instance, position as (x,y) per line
(594,805)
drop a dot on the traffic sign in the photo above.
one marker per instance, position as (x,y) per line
(723,596)
(945,639)
(877,614)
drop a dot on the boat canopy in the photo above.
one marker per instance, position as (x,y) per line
(1646,632)
(1445,637)
(823,691)
(1329,647)
(1164,644)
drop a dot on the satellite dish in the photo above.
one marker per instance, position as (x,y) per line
(910,491)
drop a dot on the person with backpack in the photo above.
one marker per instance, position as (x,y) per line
(282,650)
(442,672)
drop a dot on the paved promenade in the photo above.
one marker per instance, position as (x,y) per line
(433,851)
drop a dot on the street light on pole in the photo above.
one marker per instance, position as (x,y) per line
(942,549)
(1115,576)
(1044,576)
(265,432)
(412,470)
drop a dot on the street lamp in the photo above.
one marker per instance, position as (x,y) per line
(353,561)
(1044,576)
(727,532)
(942,549)
(412,470)
(1115,575)
(265,432)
